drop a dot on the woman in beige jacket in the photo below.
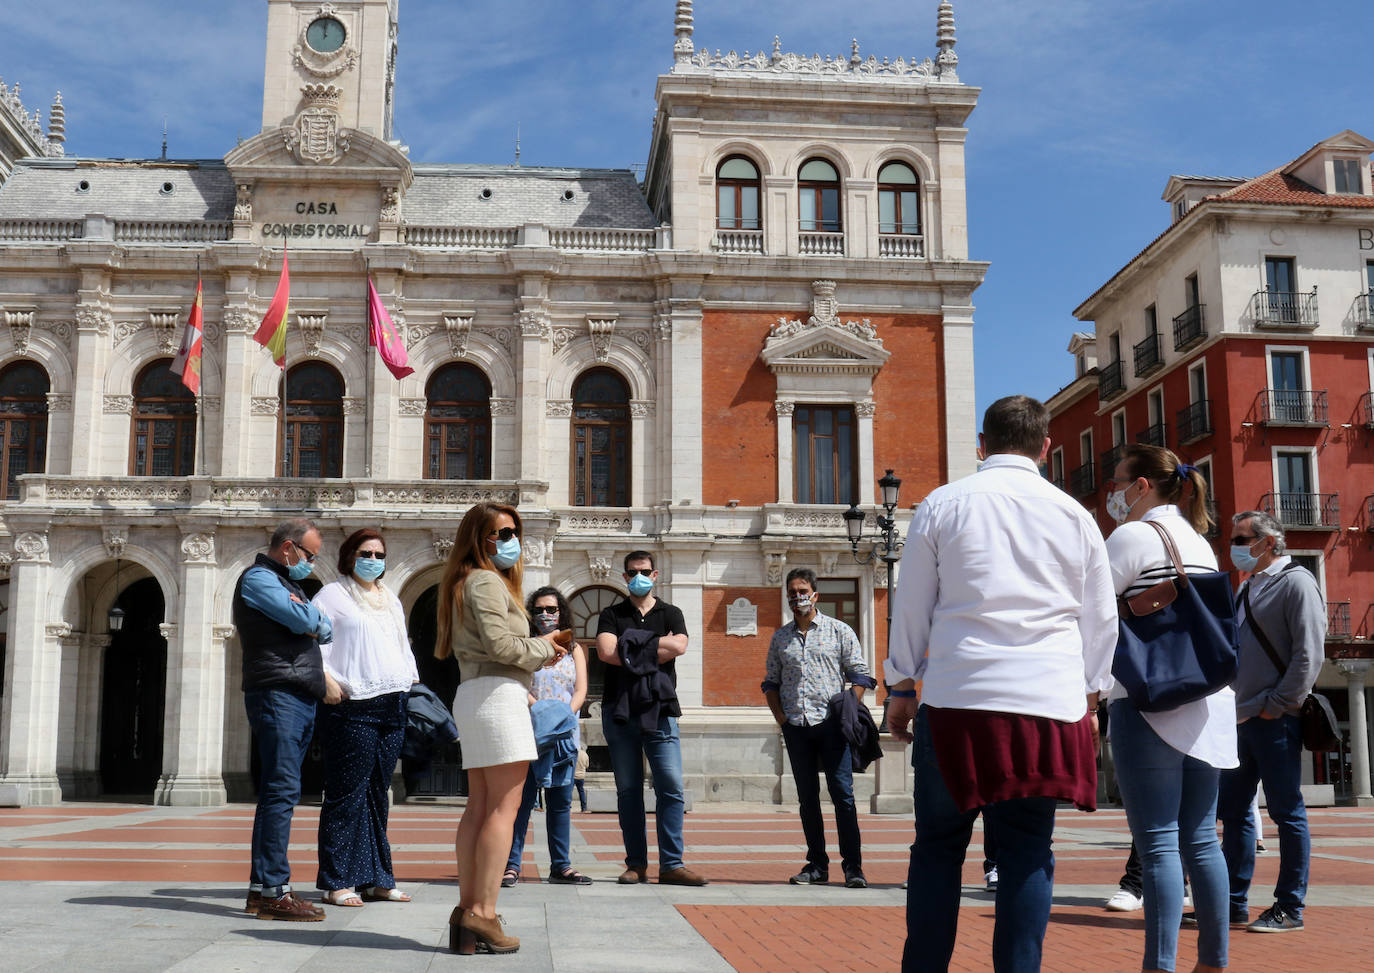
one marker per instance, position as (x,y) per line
(483,624)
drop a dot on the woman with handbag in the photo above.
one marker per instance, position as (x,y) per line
(1169,760)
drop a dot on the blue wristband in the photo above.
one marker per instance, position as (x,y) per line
(902,693)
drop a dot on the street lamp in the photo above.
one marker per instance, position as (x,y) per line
(886,546)
(115,619)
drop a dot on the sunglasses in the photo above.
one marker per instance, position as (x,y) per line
(309,558)
(378,555)
(647,572)
(1243,541)
(546,610)
(504,534)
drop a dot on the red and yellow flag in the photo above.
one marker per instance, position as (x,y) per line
(384,335)
(187,362)
(271,333)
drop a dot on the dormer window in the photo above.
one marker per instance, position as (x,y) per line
(1346,176)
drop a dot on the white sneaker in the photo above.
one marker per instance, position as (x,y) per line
(990,881)
(1125,901)
(1187,900)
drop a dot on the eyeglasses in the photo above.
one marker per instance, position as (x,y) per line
(647,572)
(379,555)
(310,558)
(546,610)
(1243,541)
(504,534)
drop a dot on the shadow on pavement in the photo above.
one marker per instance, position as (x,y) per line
(185,904)
(1102,921)
(335,938)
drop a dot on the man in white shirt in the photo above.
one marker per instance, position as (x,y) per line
(1005,612)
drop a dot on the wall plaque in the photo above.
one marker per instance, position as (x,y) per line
(741,617)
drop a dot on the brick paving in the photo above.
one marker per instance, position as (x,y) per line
(749,919)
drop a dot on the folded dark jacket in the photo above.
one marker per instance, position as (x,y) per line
(428,725)
(857,727)
(648,693)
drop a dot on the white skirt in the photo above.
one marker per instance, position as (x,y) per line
(492,714)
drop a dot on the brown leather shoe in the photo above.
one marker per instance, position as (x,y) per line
(633,876)
(478,935)
(682,875)
(253,904)
(289,908)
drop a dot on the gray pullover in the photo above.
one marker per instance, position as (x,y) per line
(1289,607)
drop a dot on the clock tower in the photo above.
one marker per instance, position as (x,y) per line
(330,58)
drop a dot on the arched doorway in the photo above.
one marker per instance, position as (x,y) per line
(133,688)
(587,605)
(444,777)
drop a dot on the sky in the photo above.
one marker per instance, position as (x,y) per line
(1087,106)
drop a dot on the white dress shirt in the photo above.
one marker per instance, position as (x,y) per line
(1005,601)
(370,655)
(1205,728)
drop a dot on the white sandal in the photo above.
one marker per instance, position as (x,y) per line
(343,897)
(374,894)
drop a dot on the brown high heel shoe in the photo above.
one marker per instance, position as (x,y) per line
(485,935)
(460,941)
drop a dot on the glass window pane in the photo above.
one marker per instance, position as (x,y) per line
(818,170)
(808,209)
(898,172)
(830,210)
(911,222)
(749,208)
(726,206)
(738,169)
(887,212)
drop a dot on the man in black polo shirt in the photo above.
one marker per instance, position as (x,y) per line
(645,679)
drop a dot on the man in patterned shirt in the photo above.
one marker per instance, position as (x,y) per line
(808,661)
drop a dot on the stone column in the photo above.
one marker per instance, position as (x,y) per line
(237,734)
(28,719)
(683,379)
(892,781)
(1355,672)
(532,371)
(192,739)
(68,710)
(786,473)
(235,441)
(961,419)
(90,679)
(93,324)
(864,411)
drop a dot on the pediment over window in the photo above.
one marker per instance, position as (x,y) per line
(823,342)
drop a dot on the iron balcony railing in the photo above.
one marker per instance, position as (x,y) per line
(1111,380)
(1214,520)
(1148,357)
(1292,407)
(1367,410)
(1364,311)
(1081,481)
(1369,512)
(1195,422)
(1110,458)
(1338,621)
(1304,511)
(1284,309)
(1190,327)
(1153,435)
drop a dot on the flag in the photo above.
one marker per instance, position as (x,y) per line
(271,333)
(187,362)
(384,336)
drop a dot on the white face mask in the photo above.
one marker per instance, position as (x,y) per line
(1117,507)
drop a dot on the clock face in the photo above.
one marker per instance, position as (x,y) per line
(325,35)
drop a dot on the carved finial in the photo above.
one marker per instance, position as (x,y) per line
(777,48)
(854,52)
(947,60)
(57,124)
(682,29)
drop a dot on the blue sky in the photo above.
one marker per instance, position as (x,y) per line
(1087,105)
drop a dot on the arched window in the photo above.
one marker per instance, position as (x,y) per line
(314,422)
(23,422)
(458,424)
(587,605)
(163,438)
(601,440)
(737,195)
(819,188)
(898,208)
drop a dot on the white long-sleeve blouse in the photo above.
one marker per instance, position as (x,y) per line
(370,655)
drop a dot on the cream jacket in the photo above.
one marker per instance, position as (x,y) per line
(491,639)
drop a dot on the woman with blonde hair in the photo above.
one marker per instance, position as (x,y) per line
(1169,762)
(482,622)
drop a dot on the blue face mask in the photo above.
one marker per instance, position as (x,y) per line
(1242,558)
(640,586)
(369,569)
(300,570)
(507,553)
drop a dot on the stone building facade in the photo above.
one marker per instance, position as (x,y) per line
(710,365)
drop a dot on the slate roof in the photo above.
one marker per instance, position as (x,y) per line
(49,189)
(451,195)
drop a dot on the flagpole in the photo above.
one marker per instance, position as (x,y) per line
(200,400)
(285,468)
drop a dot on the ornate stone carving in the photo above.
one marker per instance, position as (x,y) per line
(355,406)
(167,630)
(240,321)
(536,551)
(31,546)
(458,326)
(600,568)
(320,65)
(20,324)
(117,405)
(198,548)
(59,402)
(663,326)
(57,630)
(6,558)
(164,325)
(562,337)
(534,323)
(124,330)
(812,518)
(824,313)
(223,632)
(558,408)
(61,330)
(830,560)
(312,330)
(773,563)
(211,403)
(315,136)
(866,409)
(947,60)
(502,407)
(443,544)
(391,205)
(602,329)
(412,406)
(95,319)
(784,408)
(642,408)
(880,577)
(243,202)
(212,333)
(598,522)
(837,66)
(505,337)
(265,405)
(115,540)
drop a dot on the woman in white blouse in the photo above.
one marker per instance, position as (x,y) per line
(1168,763)
(370,658)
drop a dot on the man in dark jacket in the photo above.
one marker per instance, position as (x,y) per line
(283,679)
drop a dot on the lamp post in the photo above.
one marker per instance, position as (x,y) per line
(115,619)
(885,546)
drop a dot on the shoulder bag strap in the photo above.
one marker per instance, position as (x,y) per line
(1259,632)
(1173,551)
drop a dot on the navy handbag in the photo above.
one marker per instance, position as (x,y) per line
(1177,639)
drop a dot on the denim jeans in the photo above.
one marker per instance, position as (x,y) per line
(823,744)
(1270,751)
(629,746)
(283,722)
(1025,871)
(557,821)
(1171,806)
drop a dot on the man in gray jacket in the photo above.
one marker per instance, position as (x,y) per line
(1279,603)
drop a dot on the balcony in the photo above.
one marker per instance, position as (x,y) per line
(1109,460)
(1195,422)
(815,244)
(738,241)
(1292,407)
(1284,310)
(1190,327)
(1364,311)
(1154,435)
(1148,357)
(1367,410)
(1214,527)
(1338,621)
(901,245)
(1082,483)
(1304,511)
(1111,380)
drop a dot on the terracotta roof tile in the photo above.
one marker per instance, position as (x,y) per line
(1280,189)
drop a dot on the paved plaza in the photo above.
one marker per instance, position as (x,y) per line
(136,888)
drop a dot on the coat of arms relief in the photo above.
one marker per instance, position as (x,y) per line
(315,136)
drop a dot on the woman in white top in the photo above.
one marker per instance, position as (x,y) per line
(370,658)
(1168,763)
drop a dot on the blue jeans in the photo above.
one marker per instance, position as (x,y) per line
(1171,806)
(824,744)
(283,722)
(1025,870)
(557,821)
(629,746)
(1270,751)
